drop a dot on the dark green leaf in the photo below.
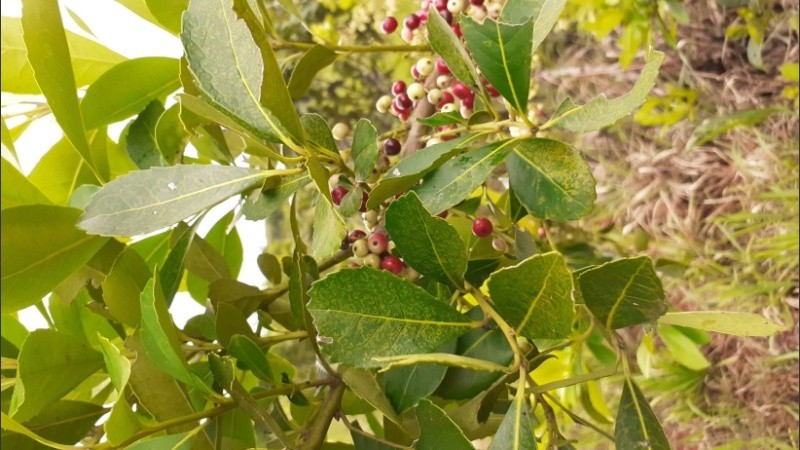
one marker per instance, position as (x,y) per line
(318,131)
(270,266)
(551,179)
(271,200)
(127,88)
(446,44)
(300,278)
(17,190)
(351,203)
(123,286)
(51,364)
(365,386)
(365,149)
(171,273)
(230,321)
(245,297)
(64,422)
(364,441)
(352,307)
(437,431)
(405,386)
(524,245)
(637,426)
(140,140)
(456,179)
(250,356)
(428,244)
(171,135)
(442,118)
(313,60)
(145,201)
(535,296)
(40,248)
(503,53)
(516,430)
(623,293)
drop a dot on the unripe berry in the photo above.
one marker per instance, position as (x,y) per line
(410,274)
(391,147)
(360,248)
(424,66)
(340,131)
(389,25)
(383,104)
(398,87)
(372,260)
(412,22)
(443,81)
(433,141)
(416,92)
(338,193)
(482,227)
(477,12)
(499,244)
(455,6)
(448,107)
(447,16)
(434,96)
(392,264)
(465,111)
(371,217)
(493,9)
(378,242)
(407,35)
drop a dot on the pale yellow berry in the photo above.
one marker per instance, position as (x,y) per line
(434,96)
(448,108)
(443,81)
(477,12)
(372,260)
(433,141)
(456,6)
(416,92)
(424,66)
(384,104)
(340,131)
(360,248)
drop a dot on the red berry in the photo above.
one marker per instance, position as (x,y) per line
(378,242)
(447,16)
(468,102)
(391,147)
(412,22)
(457,30)
(441,5)
(492,91)
(389,25)
(476,2)
(444,214)
(415,72)
(441,67)
(355,235)
(403,101)
(398,87)
(404,115)
(392,264)
(482,227)
(541,232)
(460,90)
(446,98)
(338,193)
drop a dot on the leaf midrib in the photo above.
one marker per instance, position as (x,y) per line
(538,296)
(538,169)
(48,257)
(618,302)
(465,324)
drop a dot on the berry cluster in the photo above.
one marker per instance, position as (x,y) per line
(375,251)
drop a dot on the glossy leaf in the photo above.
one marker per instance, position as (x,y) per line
(535,296)
(64,422)
(602,112)
(127,88)
(140,140)
(456,179)
(51,364)
(516,430)
(148,200)
(318,132)
(365,149)
(352,307)
(544,13)
(17,190)
(273,199)
(412,168)
(365,386)
(117,365)
(623,293)
(683,349)
(168,12)
(446,44)
(637,426)
(40,248)
(442,118)
(171,273)
(250,356)
(551,179)
(60,171)
(405,386)
(428,244)
(727,322)
(329,229)
(503,53)
(123,286)
(89,59)
(437,431)
(313,60)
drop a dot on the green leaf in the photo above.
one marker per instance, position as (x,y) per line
(365,149)
(63,422)
(412,168)
(145,201)
(503,53)
(182,441)
(140,140)
(123,286)
(171,134)
(89,59)
(601,112)
(456,179)
(17,190)
(637,426)
(250,356)
(405,386)
(428,244)
(516,429)
(318,132)
(11,425)
(351,203)
(220,256)
(118,366)
(7,148)
(228,66)
(365,441)
(351,308)
(122,423)
(446,44)
(127,88)
(313,60)
(49,57)
(365,386)
(300,278)
(551,179)
(171,274)
(719,125)
(168,12)
(535,296)
(442,118)
(728,322)
(545,14)
(273,199)
(683,349)
(329,229)
(623,293)
(51,364)
(40,248)
(60,171)
(230,321)
(437,431)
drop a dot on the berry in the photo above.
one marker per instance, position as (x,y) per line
(340,131)
(441,67)
(371,217)
(482,227)
(424,66)
(468,102)
(434,96)
(410,274)
(541,232)
(446,98)
(407,35)
(372,260)
(447,16)
(415,73)
(383,104)
(416,92)
(492,91)
(338,193)
(392,264)
(412,22)
(389,25)
(378,242)
(456,6)
(477,12)
(499,244)
(433,141)
(444,214)
(457,30)
(360,248)
(404,116)
(476,2)
(443,81)
(440,5)
(391,147)
(398,87)
(403,101)
(355,235)
(460,90)
(448,107)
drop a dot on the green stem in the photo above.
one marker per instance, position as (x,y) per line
(578,419)
(508,332)
(577,379)
(260,341)
(283,45)
(316,435)
(445,359)
(259,416)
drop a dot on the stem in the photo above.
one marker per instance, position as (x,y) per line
(445,359)
(316,435)
(508,332)
(259,416)
(283,45)
(260,341)
(578,419)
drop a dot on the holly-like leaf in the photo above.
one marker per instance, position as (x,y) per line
(428,244)
(318,131)
(516,430)
(543,13)
(40,248)
(329,229)
(437,431)
(601,112)
(534,296)
(728,322)
(351,308)
(456,179)
(551,179)
(446,44)
(503,53)
(271,200)
(623,293)
(127,88)
(412,168)
(50,365)
(145,201)
(313,60)
(637,425)
(365,149)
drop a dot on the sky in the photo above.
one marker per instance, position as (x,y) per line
(124,32)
